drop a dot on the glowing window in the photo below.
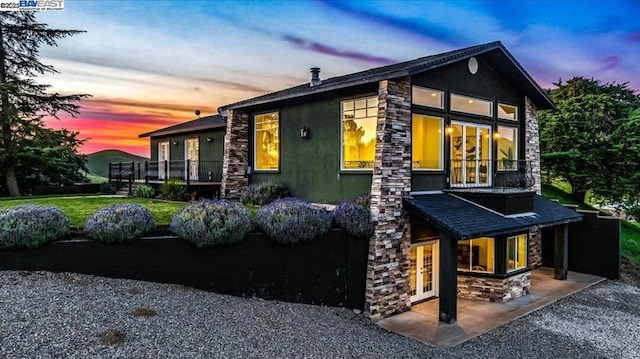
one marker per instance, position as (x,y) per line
(471,105)
(476,255)
(507,112)
(426,142)
(427,97)
(267,141)
(507,148)
(516,252)
(359,119)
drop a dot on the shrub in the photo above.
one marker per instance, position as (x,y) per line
(291,221)
(107,187)
(119,223)
(264,193)
(30,226)
(354,216)
(172,190)
(144,191)
(210,223)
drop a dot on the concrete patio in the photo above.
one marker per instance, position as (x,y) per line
(477,317)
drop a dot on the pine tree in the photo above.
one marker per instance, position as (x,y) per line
(24,102)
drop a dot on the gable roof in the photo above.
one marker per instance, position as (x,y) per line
(203,123)
(463,219)
(494,52)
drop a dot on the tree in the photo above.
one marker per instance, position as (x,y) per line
(576,139)
(24,103)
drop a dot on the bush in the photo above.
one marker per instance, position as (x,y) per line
(144,191)
(30,226)
(107,187)
(172,190)
(211,223)
(264,193)
(354,216)
(291,221)
(119,223)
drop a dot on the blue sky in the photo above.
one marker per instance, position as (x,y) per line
(150,64)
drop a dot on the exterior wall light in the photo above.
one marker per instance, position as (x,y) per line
(175,143)
(209,139)
(449,130)
(496,135)
(305,132)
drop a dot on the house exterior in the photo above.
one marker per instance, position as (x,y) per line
(447,146)
(191,151)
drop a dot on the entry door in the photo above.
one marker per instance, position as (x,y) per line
(191,153)
(423,276)
(470,154)
(163,155)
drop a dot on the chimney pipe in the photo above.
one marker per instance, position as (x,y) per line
(315,77)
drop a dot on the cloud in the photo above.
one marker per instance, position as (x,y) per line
(634,36)
(328,50)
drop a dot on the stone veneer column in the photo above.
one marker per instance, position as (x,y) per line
(236,155)
(387,286)
(535,247)
(532,142)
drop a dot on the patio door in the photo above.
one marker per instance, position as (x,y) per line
(192,154)
(423,273)
(163,155)
(470,155)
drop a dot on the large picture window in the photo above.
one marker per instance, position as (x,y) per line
(267,141)
(471,105)
(516,252)
(476,255)
(359,118)
(427,142)
(507,148)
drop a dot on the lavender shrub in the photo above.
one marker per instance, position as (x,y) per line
(119,223)
(30,226)
(291,221)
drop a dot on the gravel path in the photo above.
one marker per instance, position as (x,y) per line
(47,315)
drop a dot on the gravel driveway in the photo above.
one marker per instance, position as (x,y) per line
(47,315)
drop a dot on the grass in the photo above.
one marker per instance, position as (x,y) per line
(78,208)
(96,179)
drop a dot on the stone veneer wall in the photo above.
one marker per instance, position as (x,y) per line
(532,142)
(535,247)
(236,155)
(387,286)
(494,289)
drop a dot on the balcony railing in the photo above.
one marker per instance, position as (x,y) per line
(472,173)
(187,171)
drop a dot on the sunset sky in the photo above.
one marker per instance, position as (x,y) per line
(150,64)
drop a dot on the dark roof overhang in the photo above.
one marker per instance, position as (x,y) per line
(199,124)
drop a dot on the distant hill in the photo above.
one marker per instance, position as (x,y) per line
(98,162)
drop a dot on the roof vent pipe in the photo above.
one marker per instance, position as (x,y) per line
(315,77)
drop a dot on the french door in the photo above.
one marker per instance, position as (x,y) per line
(423,272)
(470,155)
(163,155)
(192,154)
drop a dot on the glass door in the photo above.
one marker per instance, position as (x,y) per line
(423,273)
(470,155)
(163,155)
(191,149)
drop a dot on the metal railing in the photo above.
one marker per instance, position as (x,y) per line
(475,173)
(184,171)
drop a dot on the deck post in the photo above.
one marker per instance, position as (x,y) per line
(448,278)
(110,174)
(146,172)
(188,173)
(139,174)
(131,184)
(561,252)
(166,170)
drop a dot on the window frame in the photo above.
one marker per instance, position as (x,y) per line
(429,89)
(471,270)
(442,143)
(506,252)
(515,145)
(255,142)
(468,97)
(498,104)
(342,102)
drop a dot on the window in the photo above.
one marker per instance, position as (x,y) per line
(507,112)
(427,97)
(426,142)
(471,105)
(476,255)
(267,141)
(516,252)
(359,119)
(507,148)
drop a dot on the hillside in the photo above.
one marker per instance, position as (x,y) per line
(98,162)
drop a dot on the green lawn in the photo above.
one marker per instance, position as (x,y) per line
(78,208)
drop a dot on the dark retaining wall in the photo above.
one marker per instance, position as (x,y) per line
(329,271)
